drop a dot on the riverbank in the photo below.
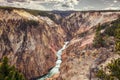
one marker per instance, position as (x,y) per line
(54,72)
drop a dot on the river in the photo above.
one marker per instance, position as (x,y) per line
(55,69)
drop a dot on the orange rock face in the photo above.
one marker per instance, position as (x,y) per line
(80,57)
(29,43)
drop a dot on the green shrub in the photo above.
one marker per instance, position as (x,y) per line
(32,22)
(111,28)
(114,71)
(102,75)
(117,43)
(8,72)
(98,39)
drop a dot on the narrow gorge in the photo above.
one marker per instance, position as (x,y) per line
(35,42)
(55,69)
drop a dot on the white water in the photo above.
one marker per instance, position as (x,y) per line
(55,69)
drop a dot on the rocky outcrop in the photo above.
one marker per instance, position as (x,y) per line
(29,42)
(80,58)
(80,22)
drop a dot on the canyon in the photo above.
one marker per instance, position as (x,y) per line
(31,42)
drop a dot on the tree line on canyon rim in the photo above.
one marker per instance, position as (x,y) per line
(112,29)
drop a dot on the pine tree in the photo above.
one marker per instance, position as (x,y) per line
(98,40)
(114,71)
(114,66)
(8,72)
(117,43)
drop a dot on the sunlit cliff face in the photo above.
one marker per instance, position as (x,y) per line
(31,41)
(64,4)
(18,28)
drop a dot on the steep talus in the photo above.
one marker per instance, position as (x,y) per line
(29,42)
